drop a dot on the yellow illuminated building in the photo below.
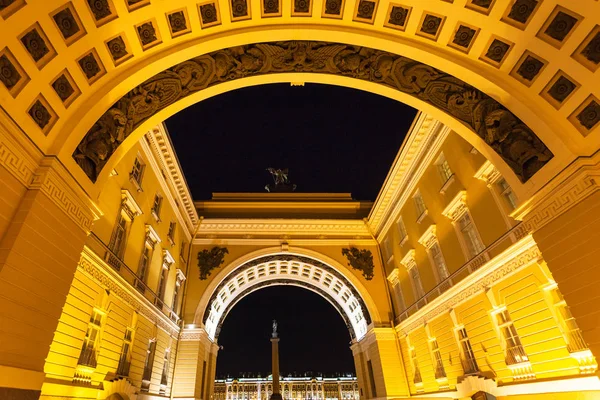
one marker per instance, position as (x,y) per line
(293,388)
(474,274)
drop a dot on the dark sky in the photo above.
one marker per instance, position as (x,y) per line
(333,139)
(313,334)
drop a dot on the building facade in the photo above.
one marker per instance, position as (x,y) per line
(457,297)
(292,388)
(475,270)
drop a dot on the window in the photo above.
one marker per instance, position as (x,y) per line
(148,363)
(515,353)
(470,236)
(144,266)
(419,206)
(137,173)
(437,359)
(437,258)
(125,359)
(117,243)
(467,356)
(388,249)
(182,251)
(162,284)
(156,207)
(177,292)
(171,234)
(507,194)
(415,364)
(401,230)
(398,297)
(87,356)
(165,372)
(443,168)
(416,281)
(572,333)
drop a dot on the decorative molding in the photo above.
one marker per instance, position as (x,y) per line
(17,161)
(573,185)
(361,260)
(218,227)
(422,143)
(488,173)
(501,130)
(98,270)
(152,235)
(127,200)
(287,269)
(409,260)
(457,206)
(520,255)
(394,277)
(180,275)
(164,154)
(429,237)
(195,335)
(55,182)
(168,258)
(210,259)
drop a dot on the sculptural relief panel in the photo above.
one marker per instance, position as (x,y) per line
(508,136)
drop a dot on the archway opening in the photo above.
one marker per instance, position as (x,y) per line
(314,337)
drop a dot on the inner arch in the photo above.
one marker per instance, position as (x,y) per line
(287,269)
(511,139)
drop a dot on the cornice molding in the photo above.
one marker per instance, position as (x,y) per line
(53,179)
(421,145)
(213,228)
(394,277)
(520,255)
(98,270)
(573,185)
(429,237)
(409,260)
(488,173)
(158,148)
(457,206)
(129,201)
(23,160)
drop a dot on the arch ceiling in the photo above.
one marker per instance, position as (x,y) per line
(287,269)
(65,63)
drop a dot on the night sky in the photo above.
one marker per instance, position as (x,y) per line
(313,334)
(332,139)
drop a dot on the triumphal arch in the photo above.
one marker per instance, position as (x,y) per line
(473,274)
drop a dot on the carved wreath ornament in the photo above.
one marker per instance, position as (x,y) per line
(210,259)
(361,260)
(506,134)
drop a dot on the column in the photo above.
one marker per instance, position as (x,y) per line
(275,368)
(46,218)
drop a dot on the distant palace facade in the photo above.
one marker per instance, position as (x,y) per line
(292,388)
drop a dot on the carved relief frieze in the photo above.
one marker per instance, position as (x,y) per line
(360,259)
(210,259)
(516,143)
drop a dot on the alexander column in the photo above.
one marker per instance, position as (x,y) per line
(275,363)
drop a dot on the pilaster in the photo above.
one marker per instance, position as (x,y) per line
(564,218)
(39,253)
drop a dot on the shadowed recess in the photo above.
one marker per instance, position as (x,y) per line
(313,334)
